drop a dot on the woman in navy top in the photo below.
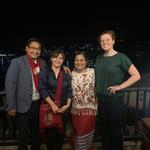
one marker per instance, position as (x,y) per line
(48,85)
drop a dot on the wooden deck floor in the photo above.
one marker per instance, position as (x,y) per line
(129,145)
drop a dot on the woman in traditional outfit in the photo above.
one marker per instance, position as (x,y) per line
(84,104)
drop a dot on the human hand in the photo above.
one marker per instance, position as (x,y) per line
(66,69)
(113,89)
(63,109)
(12,112)
(55,108)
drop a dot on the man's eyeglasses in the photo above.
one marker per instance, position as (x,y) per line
(35,48)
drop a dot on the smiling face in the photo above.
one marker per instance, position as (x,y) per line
(57,60)
(80,62)
(106,42)
(33,50)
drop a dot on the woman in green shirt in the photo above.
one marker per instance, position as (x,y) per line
(111,67)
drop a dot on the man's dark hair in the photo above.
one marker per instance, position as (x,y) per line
(33,40)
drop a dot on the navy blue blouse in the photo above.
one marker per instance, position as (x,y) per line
(48,85)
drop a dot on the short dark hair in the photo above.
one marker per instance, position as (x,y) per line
(56,52)
(33,39)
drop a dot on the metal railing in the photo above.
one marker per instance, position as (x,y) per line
(137,106)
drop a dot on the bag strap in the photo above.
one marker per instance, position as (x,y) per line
(57,97)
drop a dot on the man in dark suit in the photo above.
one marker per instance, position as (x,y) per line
(22,93)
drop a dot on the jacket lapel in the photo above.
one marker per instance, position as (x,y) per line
(27,67)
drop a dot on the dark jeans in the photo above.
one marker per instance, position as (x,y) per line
(54,139)
(26,122)
(111,112)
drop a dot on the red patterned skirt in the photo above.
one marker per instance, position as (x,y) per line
(83,131)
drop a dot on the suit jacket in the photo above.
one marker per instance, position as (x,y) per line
(18,84)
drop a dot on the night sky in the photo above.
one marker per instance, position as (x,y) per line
(78,24)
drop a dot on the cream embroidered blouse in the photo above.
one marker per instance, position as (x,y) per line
(83,86)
